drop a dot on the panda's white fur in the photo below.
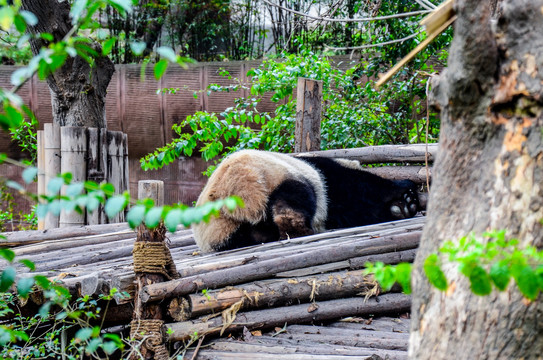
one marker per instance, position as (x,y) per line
(253,175)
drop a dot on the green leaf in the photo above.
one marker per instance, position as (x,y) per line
(108,45)
(29,264)
(138,47)
(385,277)
(172,219)
(115,205)
(42,282)
(480,281)
(434,273)
(153,216)
(135,215)
(121,5)
(231,203)
(83,334)
(7,254)
(24,286)
(160,68)
(3,157)
(108,188)
(15,185)
(403,276)
(77,10)
(54,185)
(167,53)
(7,278)
(29,17)
(110,347)
(7,15)
(74,189)
(500,275)
(527,282)
(29,174)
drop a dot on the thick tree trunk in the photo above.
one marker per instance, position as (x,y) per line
(78,90)
(488,175)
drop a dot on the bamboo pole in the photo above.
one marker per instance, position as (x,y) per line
(73,149)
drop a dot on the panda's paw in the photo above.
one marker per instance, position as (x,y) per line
(405,207)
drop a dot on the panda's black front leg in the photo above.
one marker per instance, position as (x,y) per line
(406,204)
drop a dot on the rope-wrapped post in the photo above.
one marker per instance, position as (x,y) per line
(152,264)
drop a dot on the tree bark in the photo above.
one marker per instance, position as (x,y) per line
(78,89)
(488,175)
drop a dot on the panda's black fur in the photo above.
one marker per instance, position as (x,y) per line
(288,196)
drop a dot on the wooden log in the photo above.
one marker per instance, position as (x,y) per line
(223,260)
(73,149)
(115,153)
(354,263)
(52,164)
(374,324)
(345,332)
(414,153)
(364,340)
(307,136)
(41,172)
(285,347)
(275,292)
(19,238)
(217,355)
(263,269)
(270,318)
(387,258)
(415,173)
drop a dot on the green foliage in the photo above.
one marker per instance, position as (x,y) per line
(486,264)
(10,218)
(353,115)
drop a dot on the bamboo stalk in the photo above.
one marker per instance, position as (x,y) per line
(270,318)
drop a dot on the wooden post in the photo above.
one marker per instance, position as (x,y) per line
(308,115)
(73,150)
(41,173)
(115,163)
(152,264)
(51,166)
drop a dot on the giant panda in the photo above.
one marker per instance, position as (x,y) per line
(287,197)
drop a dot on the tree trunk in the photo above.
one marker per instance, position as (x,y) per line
(78,90)
(488,176)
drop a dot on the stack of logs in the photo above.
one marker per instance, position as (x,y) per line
(296,281)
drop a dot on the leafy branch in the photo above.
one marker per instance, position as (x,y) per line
(487,265)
